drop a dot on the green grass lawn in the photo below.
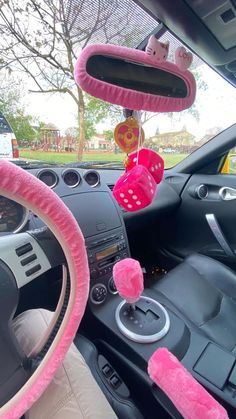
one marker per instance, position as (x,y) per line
(170,159)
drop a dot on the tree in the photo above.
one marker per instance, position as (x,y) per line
(22,128)
(109,134)
(12,107)
(10,95)
(42,38)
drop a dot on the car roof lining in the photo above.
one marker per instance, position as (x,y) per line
(181,20)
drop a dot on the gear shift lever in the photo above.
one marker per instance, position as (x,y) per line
(140,319)
(128,278)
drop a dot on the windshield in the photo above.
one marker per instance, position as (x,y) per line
(54,121)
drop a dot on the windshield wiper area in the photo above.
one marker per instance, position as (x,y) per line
(34,164)
(110,165)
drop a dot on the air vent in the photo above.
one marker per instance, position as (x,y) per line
(227,16)
(202,191)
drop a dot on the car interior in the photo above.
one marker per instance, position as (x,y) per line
(185,242)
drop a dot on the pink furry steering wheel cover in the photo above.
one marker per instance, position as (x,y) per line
(21,186)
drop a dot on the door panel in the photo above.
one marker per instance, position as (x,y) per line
(193,232)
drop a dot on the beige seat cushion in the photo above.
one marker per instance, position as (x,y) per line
(73,393)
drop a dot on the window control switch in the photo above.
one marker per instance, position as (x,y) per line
(107,370)
(115,381)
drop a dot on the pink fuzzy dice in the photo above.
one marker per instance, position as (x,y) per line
(128,277)
(135,189)
(149,159)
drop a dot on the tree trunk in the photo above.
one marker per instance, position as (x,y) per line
(81,123)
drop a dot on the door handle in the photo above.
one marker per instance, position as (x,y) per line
(218,233)
(227,194)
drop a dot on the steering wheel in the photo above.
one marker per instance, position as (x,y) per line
(22,379)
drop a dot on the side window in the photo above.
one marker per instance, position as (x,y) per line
(229,166)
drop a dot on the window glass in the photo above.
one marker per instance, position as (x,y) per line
(53,121)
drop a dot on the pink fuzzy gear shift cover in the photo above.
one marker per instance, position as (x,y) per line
(128,277)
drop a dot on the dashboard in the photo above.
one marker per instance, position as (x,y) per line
(87,193)
(72,181)
(15,218)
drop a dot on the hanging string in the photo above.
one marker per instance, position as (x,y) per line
(139,135)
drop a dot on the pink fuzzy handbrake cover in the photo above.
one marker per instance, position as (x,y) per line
(190,398)
(22,187)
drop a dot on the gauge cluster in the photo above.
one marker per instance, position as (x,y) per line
(13,216)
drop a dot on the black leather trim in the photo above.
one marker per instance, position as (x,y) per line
(204,292)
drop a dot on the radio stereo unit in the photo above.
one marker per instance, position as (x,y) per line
(103,253)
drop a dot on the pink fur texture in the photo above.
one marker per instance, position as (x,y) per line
(149,159)
(18,184)
(128,277)
(135,189)
(189,397)
(128,98)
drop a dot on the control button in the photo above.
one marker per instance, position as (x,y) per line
(24,249)
(33,270)
(94,273)
(112,286)
(121,246)
(28,260)
(107,370)
(98,294)
(115,381)
(125,255)
(91,258)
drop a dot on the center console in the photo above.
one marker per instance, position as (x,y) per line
(126,357)
(103,252)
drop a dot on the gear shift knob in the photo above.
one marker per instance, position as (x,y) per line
(128,278)
(139,318)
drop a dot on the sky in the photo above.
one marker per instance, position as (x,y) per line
(216,107)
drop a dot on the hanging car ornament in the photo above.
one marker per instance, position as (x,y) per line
(138,80)
(137,187)
(128,134)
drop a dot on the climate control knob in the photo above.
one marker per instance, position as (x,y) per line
(98,294)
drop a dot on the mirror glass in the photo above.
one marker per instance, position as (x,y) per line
(136,76)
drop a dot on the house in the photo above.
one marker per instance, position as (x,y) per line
(179,141)
(99,142)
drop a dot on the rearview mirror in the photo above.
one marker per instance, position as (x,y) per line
(134,80)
